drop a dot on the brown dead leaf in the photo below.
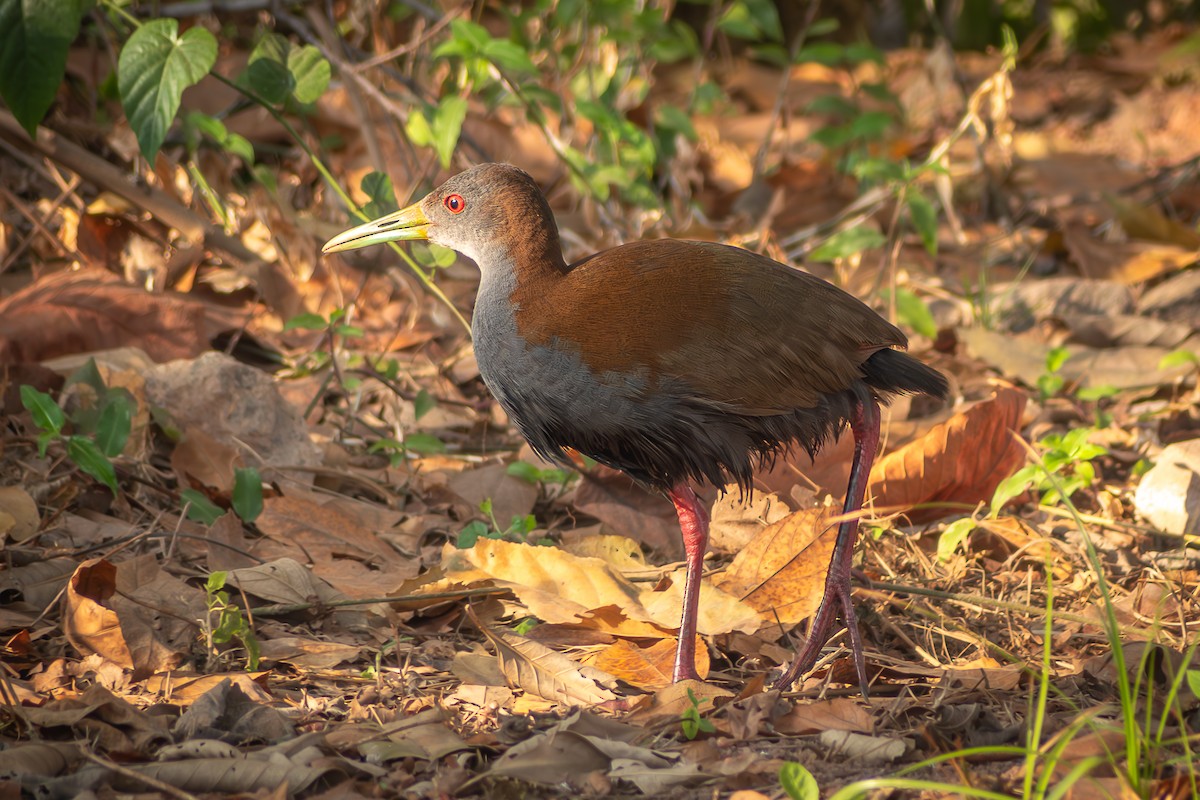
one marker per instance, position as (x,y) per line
(227,545)
(669,703)
(1141,221)
(201,460)
(647,667)
(281,581)
(308,653)
(619,551)
(1128,262)
(510,496)
(103,719)
(554,585)
(737,520)
(558,587)
(184,688)
(781,573)
(999,538)
(342,551)
(720,612)
(961,460)
(119,611)
(543,672)
(629,510)
(840,713)
(1003,679)
(19,517)
(79,312)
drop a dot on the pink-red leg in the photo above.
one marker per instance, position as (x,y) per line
(865,427)
(693,524)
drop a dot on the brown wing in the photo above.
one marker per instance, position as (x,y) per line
(742,331)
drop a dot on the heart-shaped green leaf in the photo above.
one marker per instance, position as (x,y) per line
(155,66)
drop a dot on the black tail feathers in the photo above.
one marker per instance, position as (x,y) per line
(896,372)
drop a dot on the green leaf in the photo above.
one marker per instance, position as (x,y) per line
(35,37)
(1056,358)
(1178,358)
(216,581)
(200,508)
(829,54)
(447,125)
(823,27)
(849,242)
(306,322)
(1012,486)
(1092,393)
(924,219)
(310,73)
(46,414)
(798,782)
(871,125)
(247,494)
(155,66)
(674,119)
(524,471)
(471,534)
(87,456)
(424,443)
(1193,679)
(914,313)
(423,403)
(115,422)
(509,57)
(952,538)
(267,74)
(378,186)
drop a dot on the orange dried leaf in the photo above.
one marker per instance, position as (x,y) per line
(962,460)
(781,573)
(647,667)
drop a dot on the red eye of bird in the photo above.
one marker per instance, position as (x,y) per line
(455,203)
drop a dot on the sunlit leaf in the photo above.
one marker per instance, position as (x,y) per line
(156,64)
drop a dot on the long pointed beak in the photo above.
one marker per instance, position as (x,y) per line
(407,223)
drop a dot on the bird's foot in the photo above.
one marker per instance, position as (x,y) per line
(837,593)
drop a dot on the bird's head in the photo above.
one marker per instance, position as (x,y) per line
(489,212)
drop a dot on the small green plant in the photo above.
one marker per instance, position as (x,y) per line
(690,720)
(224,621)
(518,531)
(559,479)
(1051,382)
(247,499)
(953,537)
(1065,468)
(798,782)
(336,329)
(101,419)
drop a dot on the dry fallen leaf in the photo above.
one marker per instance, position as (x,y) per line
(840,713)
(1128,262)
(646,667)
(79,312)
(629,510)
(781,573)
(541,671)
(960,461)
(19,517)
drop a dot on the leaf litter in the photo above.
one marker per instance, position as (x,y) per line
(542,654)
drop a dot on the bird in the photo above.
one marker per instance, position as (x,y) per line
(679,363)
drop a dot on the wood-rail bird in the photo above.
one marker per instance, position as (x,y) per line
(676,362)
